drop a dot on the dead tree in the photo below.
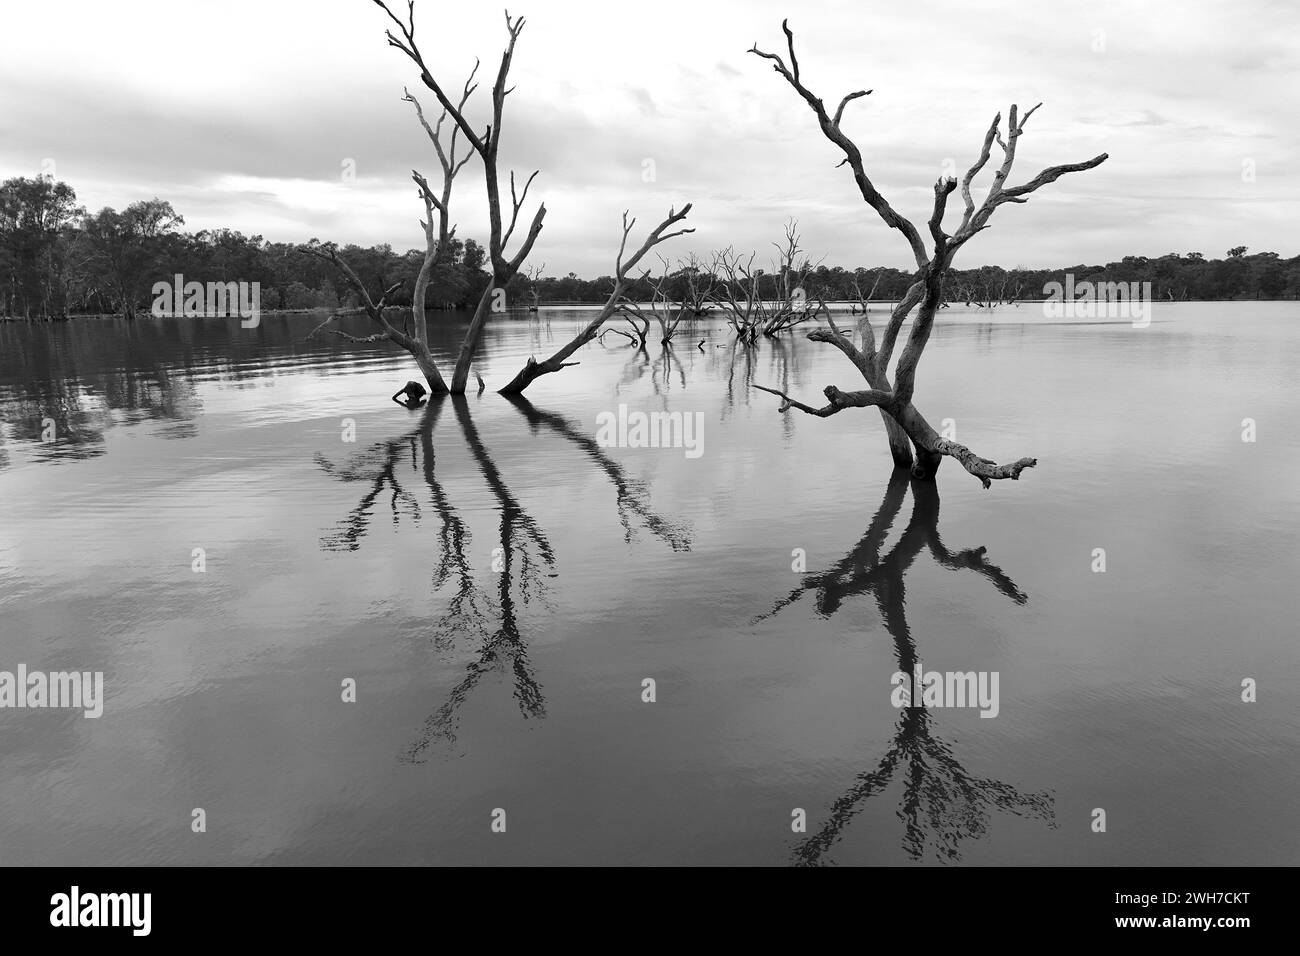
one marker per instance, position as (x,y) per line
(791,306)
(438,238)
(662,307)
(966,293)
(864,300)
(635,338)
(535,369)
(740,291)
(534,274)
(737,292)
(486,145)
(437,244)
(926,291)
(698,285)
(989,288)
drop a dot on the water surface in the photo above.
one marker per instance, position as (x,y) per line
(499,586)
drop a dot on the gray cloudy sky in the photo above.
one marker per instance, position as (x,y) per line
(243,112)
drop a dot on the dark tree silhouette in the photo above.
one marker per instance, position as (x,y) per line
(941,803)
(525,557)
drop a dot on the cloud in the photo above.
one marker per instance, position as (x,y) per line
(242,113)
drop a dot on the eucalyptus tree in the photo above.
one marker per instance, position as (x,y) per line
(127,250)
(35,214)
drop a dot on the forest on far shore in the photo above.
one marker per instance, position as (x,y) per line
(58,260)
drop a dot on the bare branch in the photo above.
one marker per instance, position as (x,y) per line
(838,401)
(534,369)
(896,318)
(839,113)
(975,221)
(1050,175)
(942,190)
(861,360)
(376,337)
(657,235)
(517,203)
(408,46)
(852,156)
(983,469)
(974,171)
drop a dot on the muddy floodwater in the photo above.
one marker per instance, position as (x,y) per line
(500,588)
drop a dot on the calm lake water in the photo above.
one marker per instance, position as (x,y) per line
(499,586)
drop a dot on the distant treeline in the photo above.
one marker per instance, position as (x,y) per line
(56,260)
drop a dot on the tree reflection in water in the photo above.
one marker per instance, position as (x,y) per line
(941,803)
(524,563)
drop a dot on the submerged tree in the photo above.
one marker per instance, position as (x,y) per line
(903,422)
(661,307)
(534,369)
(758,304)
(697,285)
(439,238)
(534,275)
(676,296)
(502,268)
(990,286)
(486,145)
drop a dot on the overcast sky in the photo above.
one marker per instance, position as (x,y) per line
(243,113)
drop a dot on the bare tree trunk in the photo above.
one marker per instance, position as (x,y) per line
(429,368)
(927,464)
(900,446)
(469,345)
(900,443)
